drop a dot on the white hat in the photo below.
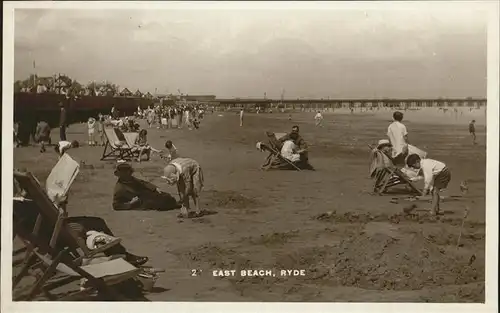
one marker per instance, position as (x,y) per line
(383,142)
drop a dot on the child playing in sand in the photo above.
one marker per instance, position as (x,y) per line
(91,124)
(436,177)
(63,146)
(172,151)
(472,131)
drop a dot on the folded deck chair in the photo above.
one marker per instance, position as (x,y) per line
(115,147)
(55,218)
(386,174)
(99,277)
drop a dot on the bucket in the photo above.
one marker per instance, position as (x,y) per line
(147,280)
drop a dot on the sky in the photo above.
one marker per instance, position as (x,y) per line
(319,53)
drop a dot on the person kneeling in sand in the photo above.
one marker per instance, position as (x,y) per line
(188,176)
(135,194)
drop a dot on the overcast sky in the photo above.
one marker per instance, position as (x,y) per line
(244,53)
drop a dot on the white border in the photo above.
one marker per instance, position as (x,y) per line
(492,166)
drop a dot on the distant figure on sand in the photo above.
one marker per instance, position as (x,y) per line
(472,131)
(91,124)
(241,117)
(319,119)
(42,135)
(398,136)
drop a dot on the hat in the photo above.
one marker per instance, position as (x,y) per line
(123,167)
(383,142)
(171,174)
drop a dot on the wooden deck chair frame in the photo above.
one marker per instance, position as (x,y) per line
(385,175)
(55,217)
(113,151)
(275,154)
(64,264)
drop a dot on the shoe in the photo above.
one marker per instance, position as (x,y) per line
(136,260)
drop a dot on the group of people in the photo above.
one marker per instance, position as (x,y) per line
(290,148)
(173,116)
(435,173)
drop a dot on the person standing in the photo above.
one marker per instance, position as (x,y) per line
(241,117)
(472,131)
(319,119)
(398,136)
(42,135)
(62,122)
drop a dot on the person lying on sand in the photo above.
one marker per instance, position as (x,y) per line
(188,176)
(132,193)
(25,213)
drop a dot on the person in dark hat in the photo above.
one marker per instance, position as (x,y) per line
(131,193)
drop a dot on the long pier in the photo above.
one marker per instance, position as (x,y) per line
(352,103)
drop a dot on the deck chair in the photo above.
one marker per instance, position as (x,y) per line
(275,159)
(100,277)
(55,218)
(115,147)
(386,174)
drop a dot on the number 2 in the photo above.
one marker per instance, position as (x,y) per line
(195,272)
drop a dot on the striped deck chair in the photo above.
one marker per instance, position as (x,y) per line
(59,269)
(386,174)
(275,159)
(116,147)
(55,218)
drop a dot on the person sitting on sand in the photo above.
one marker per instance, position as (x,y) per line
(188,176)
(25,214)
(436,177)
(131,193)
(63,146)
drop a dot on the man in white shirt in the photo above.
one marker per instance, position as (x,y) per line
(289,149)
(241,117)
(319,119)
(436,177)
(398,136)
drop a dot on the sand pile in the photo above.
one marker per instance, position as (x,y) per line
(410,262)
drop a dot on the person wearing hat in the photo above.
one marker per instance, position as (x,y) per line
(188,176)
(385,146)
(132,193)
